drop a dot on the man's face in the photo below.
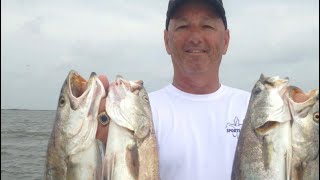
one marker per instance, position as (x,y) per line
(196,40)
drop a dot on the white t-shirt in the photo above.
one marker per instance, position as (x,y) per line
(197,134)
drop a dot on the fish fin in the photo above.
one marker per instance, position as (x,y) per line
(108,167)
(143,129)
(267,149)
(100,155)
(297,170)
(288,161)
(132,159)
(288,166)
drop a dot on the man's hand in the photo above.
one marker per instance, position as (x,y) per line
(102,131)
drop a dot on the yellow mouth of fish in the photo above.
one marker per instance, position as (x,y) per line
(77,84)
(83,91)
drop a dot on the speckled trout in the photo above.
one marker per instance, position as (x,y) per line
(73,152)
(131,151)
(305,133)
(264,146)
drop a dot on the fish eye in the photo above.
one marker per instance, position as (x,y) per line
(62,101)
(316,117)
(145,98)
(256,90)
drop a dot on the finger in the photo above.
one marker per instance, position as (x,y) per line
(102,133)
(104,81)
(102,105)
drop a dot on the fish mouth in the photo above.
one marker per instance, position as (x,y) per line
(85,97)
(121,87)
(282,86)
(268,126)
(79,89)
(275,81)
(78,85)
(298,96)
(121,101)
(301,102)
(284,83)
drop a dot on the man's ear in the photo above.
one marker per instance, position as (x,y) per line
(166,41)
(226,41)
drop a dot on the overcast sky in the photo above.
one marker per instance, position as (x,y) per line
(42,40)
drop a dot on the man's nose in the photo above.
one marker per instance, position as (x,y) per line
(195,37)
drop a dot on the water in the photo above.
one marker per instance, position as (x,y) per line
(24,138)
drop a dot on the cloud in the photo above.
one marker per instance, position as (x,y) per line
(43,40)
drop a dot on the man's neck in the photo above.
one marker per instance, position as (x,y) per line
(197,85)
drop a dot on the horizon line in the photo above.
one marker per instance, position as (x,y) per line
(28,109)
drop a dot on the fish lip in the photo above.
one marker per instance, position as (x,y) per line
(311,95)
(78,86)
(292,90)
(284,87)
(114,93)
(286,81)
(121,86)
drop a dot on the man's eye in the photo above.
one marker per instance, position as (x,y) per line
(208,27)
(182,27)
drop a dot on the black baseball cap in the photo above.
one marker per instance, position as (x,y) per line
(216,5)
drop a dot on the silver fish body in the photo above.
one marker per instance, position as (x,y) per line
(131,151)
(73,151)
(264,150)
(305,134)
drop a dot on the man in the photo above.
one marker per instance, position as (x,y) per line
(197,119)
